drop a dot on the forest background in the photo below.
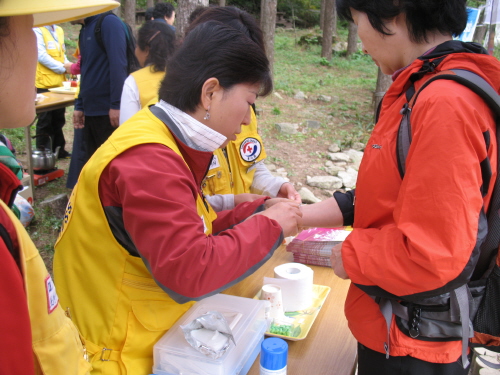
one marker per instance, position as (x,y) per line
(337,94)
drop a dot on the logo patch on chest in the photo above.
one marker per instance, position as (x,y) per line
(250,149)
(52,298)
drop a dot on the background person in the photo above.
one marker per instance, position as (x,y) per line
(79,154)
(140,195)
(37,337)
(415,236)
(50,73)
(164,12)
(155,44)
(103,72)
(148,14)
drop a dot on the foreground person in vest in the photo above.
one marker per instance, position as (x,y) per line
(237,173)
(140,242)
(36,336)
(418,236)
(155,45)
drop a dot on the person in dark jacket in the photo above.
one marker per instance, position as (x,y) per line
(103,72)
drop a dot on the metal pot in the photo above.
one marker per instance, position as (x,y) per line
(44,159)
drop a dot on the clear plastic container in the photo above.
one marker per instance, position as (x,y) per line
(246,317)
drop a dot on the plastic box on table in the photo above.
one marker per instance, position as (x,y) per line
(174,356)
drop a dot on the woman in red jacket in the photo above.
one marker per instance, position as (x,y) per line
(419,235)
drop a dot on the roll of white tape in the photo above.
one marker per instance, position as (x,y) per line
(296,282)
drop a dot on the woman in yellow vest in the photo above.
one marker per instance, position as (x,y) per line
(155,44)
(237,173)
(139,241)
(36,336)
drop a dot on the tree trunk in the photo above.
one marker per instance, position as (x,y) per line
(129,12)
(326,45)
(184,9)
(352,39)
(383,83)
(334,21)
(322,15)
(222,3)
(150,3)
(118,11)
(268,26)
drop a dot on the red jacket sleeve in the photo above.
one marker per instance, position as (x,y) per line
(157,195)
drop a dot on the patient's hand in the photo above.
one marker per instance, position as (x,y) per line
(287,214)
(245,197)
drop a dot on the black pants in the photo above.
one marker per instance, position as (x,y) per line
(50,127)
(96,131)
(371,362)
(78,159)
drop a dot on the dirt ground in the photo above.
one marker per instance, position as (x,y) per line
(301,155)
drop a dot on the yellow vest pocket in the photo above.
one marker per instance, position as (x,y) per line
(147,323)
(70,356)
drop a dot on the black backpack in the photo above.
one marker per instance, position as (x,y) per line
(486,320)
(132,62)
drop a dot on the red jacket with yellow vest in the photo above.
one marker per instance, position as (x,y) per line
(137,243)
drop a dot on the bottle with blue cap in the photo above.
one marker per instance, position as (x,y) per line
(273,356)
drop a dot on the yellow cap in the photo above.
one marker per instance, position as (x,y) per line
(47,12)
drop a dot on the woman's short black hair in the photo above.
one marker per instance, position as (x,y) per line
(422,16)
(159,38)
(148,14)
(196,12)
(213,50)
(234,17)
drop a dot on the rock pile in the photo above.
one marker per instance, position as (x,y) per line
(342,168)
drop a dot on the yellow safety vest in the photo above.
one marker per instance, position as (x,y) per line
(119,309)
(46,78)
(233,168)
(57,346)
(148,83)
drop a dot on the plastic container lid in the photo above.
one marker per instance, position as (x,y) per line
(274,353)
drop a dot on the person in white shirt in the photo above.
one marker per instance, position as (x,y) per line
(155,44)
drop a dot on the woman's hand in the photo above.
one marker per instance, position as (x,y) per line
(287,214)
(287,190)
(337,264)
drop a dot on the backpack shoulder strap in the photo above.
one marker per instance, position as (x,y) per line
(477,84)
(98,28)
(471,80)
